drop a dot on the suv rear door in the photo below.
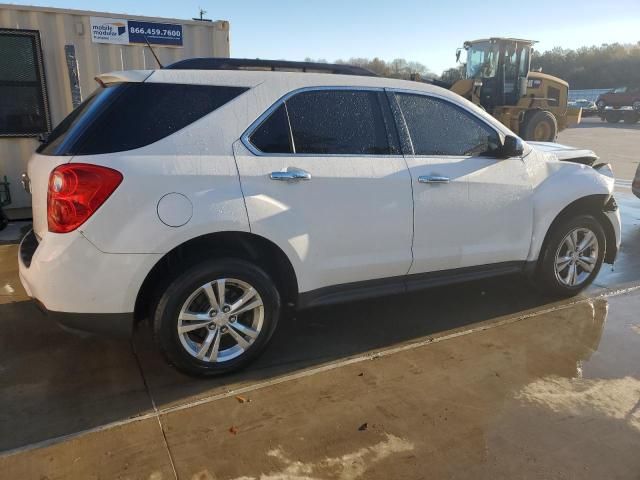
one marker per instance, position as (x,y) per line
(324,178)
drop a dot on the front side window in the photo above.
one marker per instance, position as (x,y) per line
(126,116)
(438,127)
(23,99)
(328,122)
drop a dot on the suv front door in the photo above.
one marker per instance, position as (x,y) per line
(470,209)
(324,178)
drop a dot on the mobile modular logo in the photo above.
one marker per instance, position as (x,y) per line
(109,30)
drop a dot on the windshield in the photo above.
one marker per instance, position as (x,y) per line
(482,60)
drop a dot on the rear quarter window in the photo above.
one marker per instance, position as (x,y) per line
(127,116)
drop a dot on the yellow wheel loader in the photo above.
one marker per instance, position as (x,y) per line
(497,77)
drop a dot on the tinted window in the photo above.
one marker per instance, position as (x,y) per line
(440,128)
(338,122)
(273,135)
(125,116)
(23,108)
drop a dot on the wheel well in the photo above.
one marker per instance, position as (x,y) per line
(243,245)
(590,205)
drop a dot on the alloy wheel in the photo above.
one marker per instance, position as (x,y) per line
(576,257)
(220,320)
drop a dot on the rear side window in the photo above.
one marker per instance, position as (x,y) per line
(347,122)
(438,127)
(126,116)
(273,135)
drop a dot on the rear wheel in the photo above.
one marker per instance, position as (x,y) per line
(572,256)
(216,317)
(541,126)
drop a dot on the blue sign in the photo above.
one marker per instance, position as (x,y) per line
(156,33)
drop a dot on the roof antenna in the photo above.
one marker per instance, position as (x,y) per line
(154,53)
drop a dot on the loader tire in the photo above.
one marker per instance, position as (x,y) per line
(541,126)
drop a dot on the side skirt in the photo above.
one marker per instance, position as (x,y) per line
(349,292)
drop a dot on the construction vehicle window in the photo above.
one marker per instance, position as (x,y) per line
(482,60)
(438,127)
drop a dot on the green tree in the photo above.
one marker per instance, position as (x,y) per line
(606,66)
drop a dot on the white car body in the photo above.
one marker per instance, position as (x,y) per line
(360,218)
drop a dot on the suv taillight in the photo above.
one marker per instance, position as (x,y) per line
(76,191)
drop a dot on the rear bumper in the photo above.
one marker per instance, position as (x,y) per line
(79,286)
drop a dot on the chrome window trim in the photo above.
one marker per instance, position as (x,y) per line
(244,138)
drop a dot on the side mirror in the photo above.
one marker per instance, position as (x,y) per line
(511,147)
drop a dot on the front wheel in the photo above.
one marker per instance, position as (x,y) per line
(572,256)
(216,317)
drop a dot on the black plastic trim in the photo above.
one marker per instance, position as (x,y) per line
(349,292)
(118,325)
(28,247)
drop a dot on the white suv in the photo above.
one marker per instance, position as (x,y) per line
(210,197)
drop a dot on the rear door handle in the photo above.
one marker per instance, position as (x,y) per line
(290,174)
(433,179)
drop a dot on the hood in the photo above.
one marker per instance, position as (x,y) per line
(567,154)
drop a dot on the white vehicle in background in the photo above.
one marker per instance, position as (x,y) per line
(210,198)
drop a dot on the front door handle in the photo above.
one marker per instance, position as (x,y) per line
(290,174)
(433,179)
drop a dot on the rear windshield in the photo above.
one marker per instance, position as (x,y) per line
(125,116)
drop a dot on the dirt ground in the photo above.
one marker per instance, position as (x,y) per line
(480,380)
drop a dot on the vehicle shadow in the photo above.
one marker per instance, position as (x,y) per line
(327,334)
(53,383)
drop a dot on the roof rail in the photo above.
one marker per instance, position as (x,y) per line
(267,65)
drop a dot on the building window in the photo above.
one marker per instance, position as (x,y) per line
(24,110)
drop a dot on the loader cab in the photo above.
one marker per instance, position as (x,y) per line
(499,68)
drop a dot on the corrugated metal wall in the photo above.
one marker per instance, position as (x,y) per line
(70,27)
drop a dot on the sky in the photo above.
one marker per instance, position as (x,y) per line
(425,31)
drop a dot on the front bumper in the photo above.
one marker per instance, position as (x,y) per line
(79,286)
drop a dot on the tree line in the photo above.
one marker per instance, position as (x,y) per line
(396,68)
(606,66)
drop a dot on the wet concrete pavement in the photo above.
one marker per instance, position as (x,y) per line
(481,380)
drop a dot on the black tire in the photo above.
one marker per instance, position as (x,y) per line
(546,279)
(613,118)
(168,307)
(541,119)
(631,117)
